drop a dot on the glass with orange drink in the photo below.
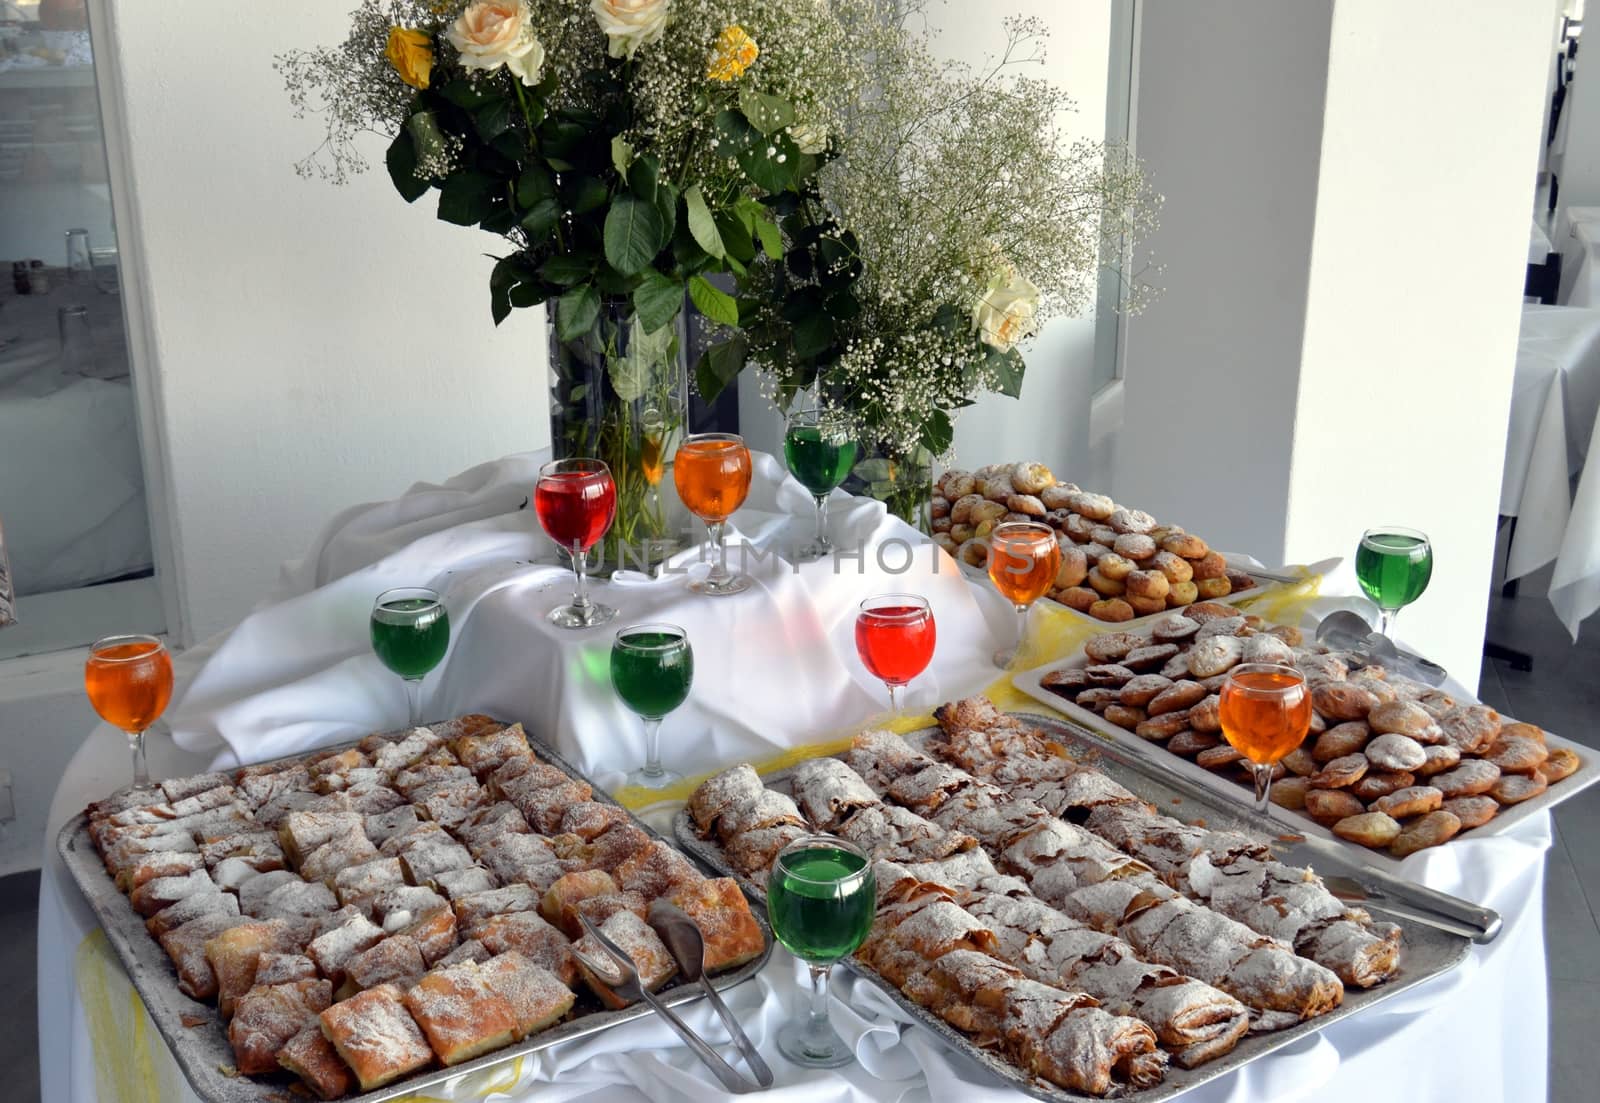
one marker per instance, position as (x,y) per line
(129,682)
(1266,712)
(1024,557)
(712,474)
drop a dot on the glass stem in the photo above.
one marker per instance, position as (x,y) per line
(414,701)
(580,567)
(1263,780)
(719,569)
(822,523)
(141,772)
(894,705)
(817,1025)
(1386,620)
(1022,629)
(652,747)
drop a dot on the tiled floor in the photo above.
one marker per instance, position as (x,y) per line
(1562,693)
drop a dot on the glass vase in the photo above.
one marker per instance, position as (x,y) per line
(902,481)
(620,395)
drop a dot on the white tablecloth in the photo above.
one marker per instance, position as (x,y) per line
(1539,247)
(1576,237)
(775,668)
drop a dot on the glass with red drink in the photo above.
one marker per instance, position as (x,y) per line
(895,637)
(576,500)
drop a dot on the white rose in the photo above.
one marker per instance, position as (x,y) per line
(492,33)
(630,24)
(808,137)
(1005,313)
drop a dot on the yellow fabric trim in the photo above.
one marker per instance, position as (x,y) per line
(131,1062)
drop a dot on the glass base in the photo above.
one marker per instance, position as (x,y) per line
(1005,657)
(812,552)
(658,780)
(804,1044)
(733,584)
(573,616)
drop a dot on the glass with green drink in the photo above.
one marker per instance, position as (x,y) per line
(1393,565)
(652,668)
(819,455)
(821,898)
(410,633)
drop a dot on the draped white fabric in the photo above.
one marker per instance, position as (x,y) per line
(775,667)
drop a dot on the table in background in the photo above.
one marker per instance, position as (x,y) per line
(1576,237)
(776,668)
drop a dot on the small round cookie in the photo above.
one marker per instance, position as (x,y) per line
(1186,544)
(1472,811)
(1165,726)
(1174,629)
(1318,725)
(1380,783)
(1209,565)
(1527,731)
(1146,606)
(1340,740)
(1441,757)
(1133,520)
(974,552)
(1074,567)
(1149,657)
(1096,507)
(961,532)
(1329,806)
(1148,584)
(1103,534)
(1431,830)
(1112,611)
(1561,764)
(1178,697)
(954,484)
(939,507)
(1288,633)
(1077,528)
(1395,752)
(1212,588)
(1068,680)
(1161,532)
(1057,519)
(1265,648)
(1011,517)
(1374,829)
(1215,758)
(1105,587)
(1516,788)
(1472,777)
(1175,567)
(1381,690)
(1182,594)
(1190,743)
(996,488)
(1239,581)
(941,524)
(1058,496)
(1115,566)
(1517,754)
(984,529)
(1142,689)
(1026,504)
(1096,551)
(987,511)
(961,508)
(1290,793)
(1110,647)
(1124,716)
(1114,675)
(1341,700)
(1340,773)
(1097,699)
(1402,804)
(1300,763)
(1324,668)
(1031,478)
(1209,610)
(1079,598)
(1177,667)
(1133,545)
(1470,729)
(1206,715)
(1214,656)
(1221,626)
(947,543)
(1400,717)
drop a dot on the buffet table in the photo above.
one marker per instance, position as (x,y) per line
(777,671)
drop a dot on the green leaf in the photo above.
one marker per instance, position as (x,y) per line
(567,270)
(464,93)
(657,300)
(621,156)
(527,294)
(492,119)
(642,177)
(1009,366)
(402,162)
(632,234)
(701,225)
(720,366)
(875,470)
(576,312)
(667,205)
(772,163)
(715,304)
(467,198)
(938,434)
(584,193)
(813,335)
(500,284)
(736,238)
(766,113)
(771,239)
(534,184)
(541,219)
(843,306)
(648,355)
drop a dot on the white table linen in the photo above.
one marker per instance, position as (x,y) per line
(1539,247)
(1577,236)
(776,668)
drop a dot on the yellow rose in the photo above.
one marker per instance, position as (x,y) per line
(492,33)
(1004,314)
(629,24)
(733,53)
(411,54)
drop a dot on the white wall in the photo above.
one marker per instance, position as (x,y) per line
(314,346)
(1405,383)
(1229,109)
(1579,169)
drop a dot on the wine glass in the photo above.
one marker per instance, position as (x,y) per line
(712,474)
(1024,557)
(410,632)
(652,668)
(895,636)
(821,898)
(1393,565)
(819,457)
(1266,712)
(129,682)
(576,500)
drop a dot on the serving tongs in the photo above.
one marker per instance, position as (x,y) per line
(629,988)
(688,947)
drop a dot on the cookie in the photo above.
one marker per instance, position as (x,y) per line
(1065,682)
(1108,674)
(1221,626)
(1150,585)
(1562,763)
(1058,497)
(1395,752)
(1135,521)
(1342,701)
(1182,594)
(1372,829)
(1096,699)
(1174,629)
(1175,567)
(1212,588)
(1177,697)
(1345,770)
(1472,811)
(1416,800)
(1215,656)
(1209,610)
(1300,763)
(1110,647)
(1430,830)
(1209,567)
(1031,478)
(1290,793)
(1380,783)
(1026,504)
(1264,648)
(1096,507)
(1215,758)
(1329,806)
(1190,743)
(1142,689)
(1080,598)
(1340,740)
(1151,657)
(1288,633)
(1381,691)
(1112,610)
(1472,777)
(1206,715)
(1124,716)
(1177,667)
(1441,757)
(1516,754)
(1470,729)
(1185,544)
(1516,788)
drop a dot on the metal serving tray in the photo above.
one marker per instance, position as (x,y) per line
(1028,681)
(202,1050)
(1426,952)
